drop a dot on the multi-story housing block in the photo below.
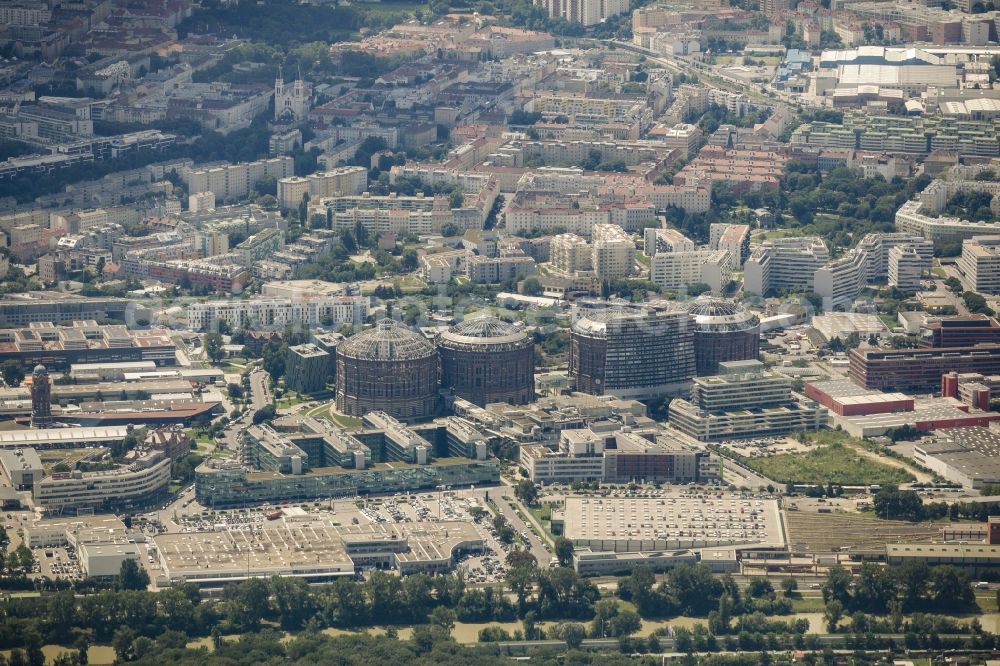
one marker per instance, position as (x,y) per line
(784,264)
(612,252)
(264,313)
(678,270)
(980,264)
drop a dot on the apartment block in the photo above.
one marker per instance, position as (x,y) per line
(840,281)
(201,202)
(980,264)
(236,181)
(613,252)
(266,313)
(343,181)
(683,137)
(907,267)
(665,240)
(493,270)
(569,253)
(734,238)
(678,270)
(141,483)
(308,368)
(784,264)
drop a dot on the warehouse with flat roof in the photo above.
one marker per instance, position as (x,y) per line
(62,438)
(313,549)
(969,456)
(636,524)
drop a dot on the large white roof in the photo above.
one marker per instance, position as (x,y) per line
(37,437)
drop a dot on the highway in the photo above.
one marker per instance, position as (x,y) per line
(708,75)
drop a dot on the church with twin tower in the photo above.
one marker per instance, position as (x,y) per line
(292,102)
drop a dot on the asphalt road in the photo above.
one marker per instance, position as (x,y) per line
(260,394)
(503,497)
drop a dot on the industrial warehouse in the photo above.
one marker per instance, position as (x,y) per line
(613,534)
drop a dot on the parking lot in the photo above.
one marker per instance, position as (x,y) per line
(57,563)
(766,446)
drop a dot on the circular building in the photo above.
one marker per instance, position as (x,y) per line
(631,352)
(388,368)
(485,360)
(723,331)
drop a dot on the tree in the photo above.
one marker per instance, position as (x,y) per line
(950,587)
(564,551)
(410,260)
(891,503)
(122,642)
(443,617)
(875,588)
(265,413)
(132,577)
(21,560)
(493,634)
(12,372)
(526,491)
(626,623)
(82,646)
(837,586)
(213,347)
(571,632)
(759,587)
(789,586)
(834,611)
(248,602)
(520,576)
(605,612)
(532,287)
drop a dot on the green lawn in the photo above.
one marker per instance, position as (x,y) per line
(643,259)
(836,463)
(347,421)
(325,412)
(391,8)
(774,234)
(811,604)
(889,320)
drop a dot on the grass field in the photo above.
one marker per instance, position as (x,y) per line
(774,234)
(823,533)
(392,8)
(325,411)
(836,463)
